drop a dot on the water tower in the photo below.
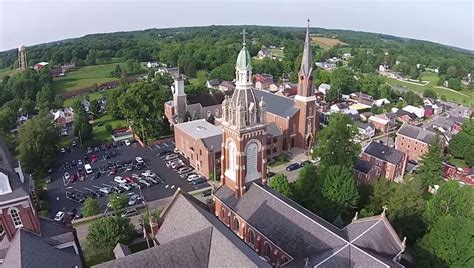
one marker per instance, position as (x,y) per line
(22,57)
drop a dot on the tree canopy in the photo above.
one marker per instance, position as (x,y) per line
(106,232)
(430,169)
(280,183)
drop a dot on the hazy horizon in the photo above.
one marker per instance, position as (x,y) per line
(446,22)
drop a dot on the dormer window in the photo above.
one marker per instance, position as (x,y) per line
(15,215)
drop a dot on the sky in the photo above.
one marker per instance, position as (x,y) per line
(31,22)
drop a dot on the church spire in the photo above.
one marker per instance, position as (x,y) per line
(307,60)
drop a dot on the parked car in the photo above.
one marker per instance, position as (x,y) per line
(179,166)
(73,163)
(134,200)
(206,193)
(89,150)
(184,170)
(119,179)
(79,162)
(129,212)
(186,175)
(151,180)
(125,187)
(102,147)
(293,166)
(93,158)
(96,149)
(192,177)
(105,190)
(59,216)
(171,157)
(117,189)
(198,181)
(63,150)
(146,183)
(139,160)
(67,165)
(66,175)
(127,142)
(73,143)
(73,178)
(149,173)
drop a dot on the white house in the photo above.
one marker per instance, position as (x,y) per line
(153,64)
(381,102)
(365,129)
(324,88)
(419,112)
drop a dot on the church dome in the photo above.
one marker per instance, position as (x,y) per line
(243,60)
(243,97)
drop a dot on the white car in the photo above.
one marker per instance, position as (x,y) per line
(120,180)
(147,184)
(125,187)
(184,170)
(66,176)
(104,190)
(134,200)
(59,216)
(192,177)
(177,163)
(127,142)
(171,157)
(79,162)
(150,179)
(149,173)
(139,160)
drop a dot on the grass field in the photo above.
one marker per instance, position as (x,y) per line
(6,71)
(461,97)
(85,77)
(101,135)
(325,42)
(277,52)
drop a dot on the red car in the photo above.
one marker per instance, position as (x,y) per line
(72,178)
(129,179)
(93,158)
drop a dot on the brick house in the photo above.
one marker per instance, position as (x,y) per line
(63,117)
(389,162)
(364,172)
(380,123)
(413,141)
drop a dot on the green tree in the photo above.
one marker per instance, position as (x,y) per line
(459,143)
(469,155)
(454,83)
(45,99)
(382,191)
(429,93)
(280,183)
(117,71)
(201,77)
(335,145)
(307,188)
(450,199)
(81,126)
(339,190)
(151,75)
(106,232)
(342,80)
(118,201)
(447,244)
(405,210)
(430,170)
(90,207)
(37,142)
(94,107)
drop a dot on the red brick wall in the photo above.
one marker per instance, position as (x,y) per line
(388,170)
(411,147)
(28,219)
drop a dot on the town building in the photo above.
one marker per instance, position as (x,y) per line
(200,142)
(40,65)
(366,130)
(362,98)
(413,141)
(389,162)
(264,53)
(227,87)
(324,88)
(26,240)
(213,83)
(63,117)
(381,123)
(365,172)
(419,112)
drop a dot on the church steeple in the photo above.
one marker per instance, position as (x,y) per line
(305,80)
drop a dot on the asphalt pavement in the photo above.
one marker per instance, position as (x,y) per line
(58,186)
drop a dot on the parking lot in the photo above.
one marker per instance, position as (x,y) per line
(63,192)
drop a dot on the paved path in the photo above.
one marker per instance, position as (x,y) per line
(297,156)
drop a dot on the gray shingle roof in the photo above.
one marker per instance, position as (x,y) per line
(273,130)
(213,142)
(7,166)
(303,234)
(276,104)
(121,250)
(30,250)
(416,133)
(384,152)
(363,166)
(206,99)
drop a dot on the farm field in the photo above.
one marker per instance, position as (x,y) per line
(464,97)
(326,42)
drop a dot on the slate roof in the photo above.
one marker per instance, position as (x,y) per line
(276,104)
(304,235)
(206,99)
(363,166)
(214,142)
(190,236)
(363,125)
(7,166)
(121,250)
(30,250)
(401,112)
(416,133)
(384,152)
(214,82)
(273,130)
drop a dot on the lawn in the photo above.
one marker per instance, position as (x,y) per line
(277,52)
(101,135)
(86,76)
(461,97)
(325,42)
(92,96)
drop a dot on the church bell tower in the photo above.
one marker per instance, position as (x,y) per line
(244,131)
(306,100)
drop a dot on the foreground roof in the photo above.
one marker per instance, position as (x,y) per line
(306,236)
(416,133)
(207,99)
(384,152)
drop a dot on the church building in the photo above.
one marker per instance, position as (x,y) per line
(275,227)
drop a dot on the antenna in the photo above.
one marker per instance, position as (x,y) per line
(243,36)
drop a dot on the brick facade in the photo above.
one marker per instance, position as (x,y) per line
(26,212)
(413,148)
(386,169)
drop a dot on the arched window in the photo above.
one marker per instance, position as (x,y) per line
(15,214)
(232,156)
(251,237)
(252,159)
(222,214)
(267,249)
(236,224)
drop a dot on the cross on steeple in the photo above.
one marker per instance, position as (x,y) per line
(308,20)
(243,36)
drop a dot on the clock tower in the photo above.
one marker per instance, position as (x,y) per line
(244,131)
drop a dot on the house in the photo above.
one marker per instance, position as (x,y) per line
(346,56)
(63,117)
(40,65)
(429,110)
(447,125)
(324,88)
(362,98)
(341,107)
(263,85)
(381,102)
(326,65)
(364,172)
(419,112)
(264,53)
(380,123)
(121,134)
(405,116)
(263,77)
(56,72)
(390,162)
(227,87)
(366,130)
(200,142)
(214,83)
(152,64)
(413,141)
(68,67)
(383,68)
(463,175)
(86,104)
